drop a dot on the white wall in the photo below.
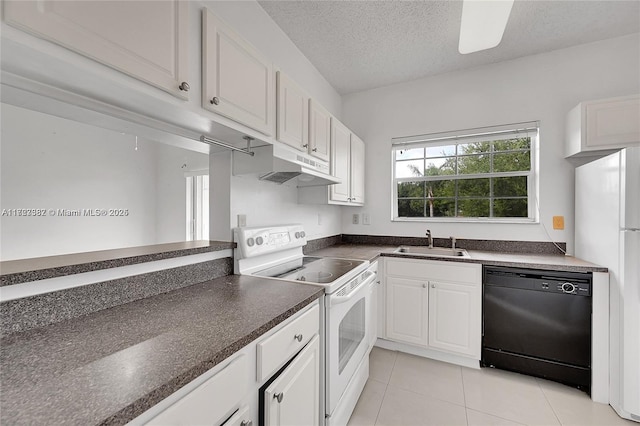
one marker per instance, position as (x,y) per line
(52,163)
(541,87)
(266,203)
(171,190)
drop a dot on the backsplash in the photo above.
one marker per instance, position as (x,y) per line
(49,308)
(534,247)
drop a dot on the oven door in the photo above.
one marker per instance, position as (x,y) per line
(347,336)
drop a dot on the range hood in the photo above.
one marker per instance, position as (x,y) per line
(279,164)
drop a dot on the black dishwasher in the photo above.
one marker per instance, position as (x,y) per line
(538,322)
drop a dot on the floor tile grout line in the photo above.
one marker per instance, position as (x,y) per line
(427,396)
(553,410)
(384,395)
(464,397)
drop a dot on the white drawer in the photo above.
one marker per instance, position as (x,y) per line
(212,401)
(275,350)
(434,270)
(241,418)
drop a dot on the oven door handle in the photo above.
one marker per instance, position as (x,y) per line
(336,300)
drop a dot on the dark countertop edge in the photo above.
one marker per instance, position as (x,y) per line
(545,266)
(107,259)
(158,394)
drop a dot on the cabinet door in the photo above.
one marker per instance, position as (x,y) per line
(407,303)
(613,123)
(292,114)
(319,131)
(237,81)
(294,397)
(340,161)
(455,318)
(357,170)
(144,39)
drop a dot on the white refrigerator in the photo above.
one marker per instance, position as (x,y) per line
(607,227)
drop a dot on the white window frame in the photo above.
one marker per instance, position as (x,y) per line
(530,129)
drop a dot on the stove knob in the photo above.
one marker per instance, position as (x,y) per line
(259,241)
(250,242)
(302,234)
(568,288)
(297,235)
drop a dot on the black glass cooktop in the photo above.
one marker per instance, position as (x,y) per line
(318,270)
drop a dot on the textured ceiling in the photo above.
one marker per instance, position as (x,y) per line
(359,45)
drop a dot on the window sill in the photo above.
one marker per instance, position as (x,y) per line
(519,221)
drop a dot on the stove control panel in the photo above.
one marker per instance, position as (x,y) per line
(256,241)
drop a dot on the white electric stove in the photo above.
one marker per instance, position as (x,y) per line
(276,252)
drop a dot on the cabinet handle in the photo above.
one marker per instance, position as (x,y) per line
(298,337)
(433,286)
(305,145)
(424,285)
(315,150)
(184,86)
(246,423)
(215,100)
(279,396)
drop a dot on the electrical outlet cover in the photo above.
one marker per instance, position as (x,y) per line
(356,219)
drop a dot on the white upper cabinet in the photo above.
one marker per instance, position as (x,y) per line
(237,81)
(357,170)
(144,39)
(347,163)
(340,161)
(319,131)
(603,126)
(292,111)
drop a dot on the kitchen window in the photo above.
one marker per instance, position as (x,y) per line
(476,174)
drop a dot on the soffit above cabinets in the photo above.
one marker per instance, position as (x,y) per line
(359,45)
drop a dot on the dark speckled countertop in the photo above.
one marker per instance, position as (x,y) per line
(556,262)
(110,366)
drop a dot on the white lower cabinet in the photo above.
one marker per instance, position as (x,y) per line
(455,317)
(435,305)
(407,304)
(293,398)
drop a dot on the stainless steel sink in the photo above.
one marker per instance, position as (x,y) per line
(435,251)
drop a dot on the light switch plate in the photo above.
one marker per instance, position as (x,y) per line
(366,219)
(242,220)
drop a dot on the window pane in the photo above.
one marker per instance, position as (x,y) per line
(441,188)
(510,208)
(411,190)
(510,144)
(512,162)
(473,188)
(441,151)
(474,148)
(440,166)
(410,168)
(441,207)
(473,208)
(474,164)
(411,208)
(408,154)
(515,186)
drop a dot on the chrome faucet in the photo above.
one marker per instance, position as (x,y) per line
(429,238)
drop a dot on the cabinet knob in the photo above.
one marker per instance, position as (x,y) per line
(215,100)
(279,396)
(298,337)
(433,286)
(424,285)
(315,150)
(184,86)
(305,145)
(246,423)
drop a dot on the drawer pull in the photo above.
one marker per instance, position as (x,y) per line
(279,397)
(298,337)
(246,423)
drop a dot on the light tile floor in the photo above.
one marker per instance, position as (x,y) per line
(408,390)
